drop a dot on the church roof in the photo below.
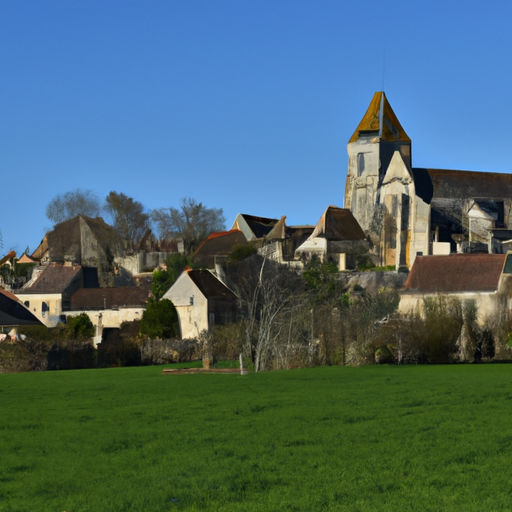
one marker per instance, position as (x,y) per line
(449,184)
(380,121)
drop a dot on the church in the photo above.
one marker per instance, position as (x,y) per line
(408,211)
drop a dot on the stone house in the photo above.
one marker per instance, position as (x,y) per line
(47,295)
(337,237)
(201,301)
(108,308)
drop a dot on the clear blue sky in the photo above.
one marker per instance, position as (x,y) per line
(245,105)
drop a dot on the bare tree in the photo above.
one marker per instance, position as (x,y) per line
(77,202)
(129,219)
(270,295)
(192,222)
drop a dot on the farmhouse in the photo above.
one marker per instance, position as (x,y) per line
(201,301)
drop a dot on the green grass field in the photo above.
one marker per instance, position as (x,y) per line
(426,438)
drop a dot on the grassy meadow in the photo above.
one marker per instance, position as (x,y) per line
(374,438)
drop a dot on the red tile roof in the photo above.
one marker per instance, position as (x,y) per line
(455,273)
(217,244)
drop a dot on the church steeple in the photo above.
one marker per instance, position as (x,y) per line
(380,121)
(370,149)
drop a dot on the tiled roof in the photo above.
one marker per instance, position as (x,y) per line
(217,244)
(209,285)
(106,298)
(54,278)
(455,273)
(25,259)
(13,312)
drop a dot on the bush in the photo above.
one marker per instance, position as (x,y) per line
(240,252)
(159,320)
(80,327)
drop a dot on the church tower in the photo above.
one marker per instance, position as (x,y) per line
(370,150)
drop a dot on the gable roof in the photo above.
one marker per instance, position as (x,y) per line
(338,224)
(455,273)
(25,258)
(106,298)
(209,285)
(217,244)
(13,312)
(381,122)
(55,278)
(253,226)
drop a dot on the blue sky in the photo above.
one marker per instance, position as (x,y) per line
(243,105)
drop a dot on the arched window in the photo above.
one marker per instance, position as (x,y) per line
(360,164)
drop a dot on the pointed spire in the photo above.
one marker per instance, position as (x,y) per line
(381,120)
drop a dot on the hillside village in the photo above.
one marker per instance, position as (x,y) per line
(414,251)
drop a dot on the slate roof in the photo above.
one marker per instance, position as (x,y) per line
(381,121)
(13,312)
(455,273)
(107,298)
(217,244)
(338,224)
(55,278)
(209,285)
(435,184)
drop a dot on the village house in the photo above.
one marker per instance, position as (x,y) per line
(108,308)
(201,301)
(47,295)
(337,237)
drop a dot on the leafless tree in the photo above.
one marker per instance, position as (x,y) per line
(129,219)
(192,222)
(77,202)
(270,294)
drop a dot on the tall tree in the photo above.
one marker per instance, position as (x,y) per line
(129,219)
(192,222)
(77,202)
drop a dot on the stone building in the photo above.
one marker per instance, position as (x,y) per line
(408,211)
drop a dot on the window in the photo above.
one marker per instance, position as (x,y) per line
(360,164)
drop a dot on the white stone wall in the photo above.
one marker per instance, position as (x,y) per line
(54,302)
(191,306)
